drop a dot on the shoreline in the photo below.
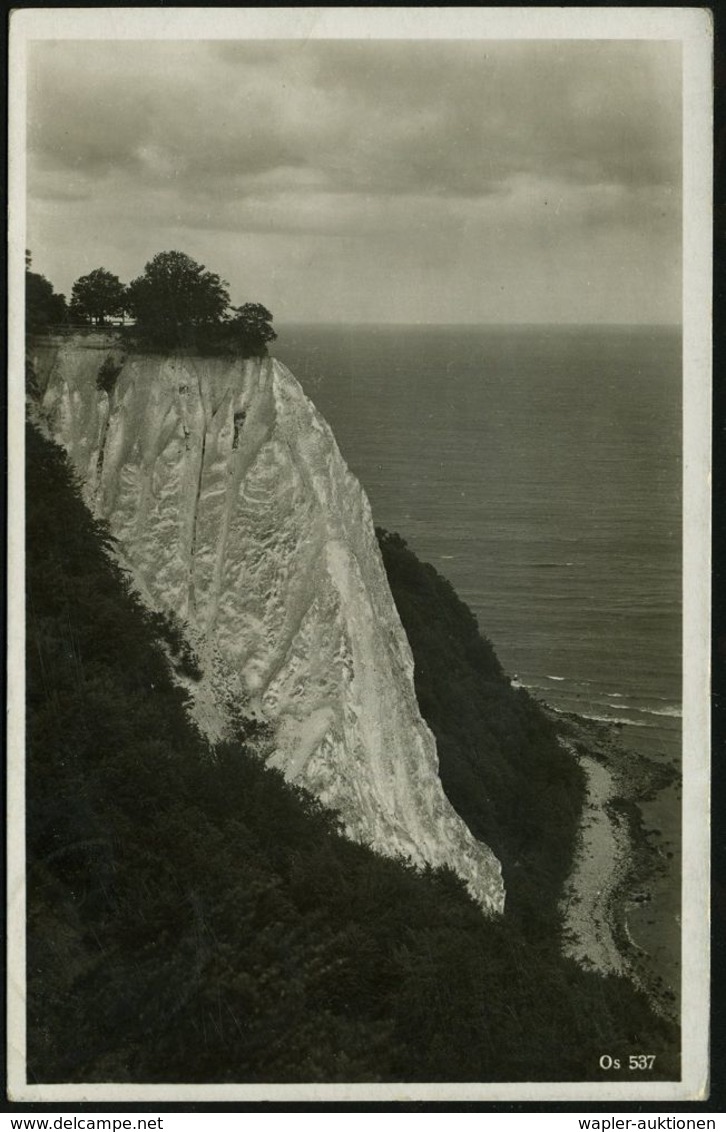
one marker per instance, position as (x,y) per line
(589,935)
(616,864)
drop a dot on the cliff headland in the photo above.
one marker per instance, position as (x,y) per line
(254,672)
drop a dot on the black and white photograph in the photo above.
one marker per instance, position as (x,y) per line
(359,468)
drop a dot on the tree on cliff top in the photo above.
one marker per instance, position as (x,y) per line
(98,296)
(176,301)
(250,329)
(42,305)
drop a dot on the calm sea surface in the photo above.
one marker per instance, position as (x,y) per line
(539,469)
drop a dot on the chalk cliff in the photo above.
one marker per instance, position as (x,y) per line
(235,510)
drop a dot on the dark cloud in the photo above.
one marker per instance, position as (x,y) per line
(580,116)
(411,117)
(166,120)
(561,153)
(463,115)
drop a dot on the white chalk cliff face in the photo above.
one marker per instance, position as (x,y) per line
(236,511)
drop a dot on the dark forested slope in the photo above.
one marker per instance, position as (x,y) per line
(500,762)
(193,918)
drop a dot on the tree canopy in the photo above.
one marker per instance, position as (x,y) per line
(175,304)
(175,299)
(42,305)
(250,326)
(98,296)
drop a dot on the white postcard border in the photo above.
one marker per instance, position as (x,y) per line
(693,28)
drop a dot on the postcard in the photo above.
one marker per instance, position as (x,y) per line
(359,554)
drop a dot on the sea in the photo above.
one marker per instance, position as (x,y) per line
(539,469)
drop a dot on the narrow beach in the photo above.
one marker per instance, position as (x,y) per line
(617,867)
(598,870)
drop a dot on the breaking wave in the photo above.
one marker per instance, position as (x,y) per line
(601,718)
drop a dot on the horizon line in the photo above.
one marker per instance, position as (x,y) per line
(420,325)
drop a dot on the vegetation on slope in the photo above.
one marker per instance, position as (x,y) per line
(43,305)
(499,759)
(193,918)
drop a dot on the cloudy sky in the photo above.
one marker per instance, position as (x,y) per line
(401,181)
